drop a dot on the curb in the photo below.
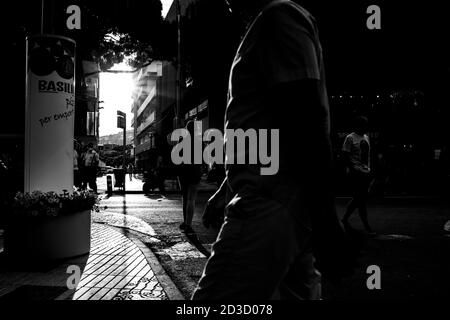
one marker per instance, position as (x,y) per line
(173,293)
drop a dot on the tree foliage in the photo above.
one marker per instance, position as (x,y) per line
(111,31)
(126,28)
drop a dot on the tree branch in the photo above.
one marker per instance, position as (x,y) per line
(119,71)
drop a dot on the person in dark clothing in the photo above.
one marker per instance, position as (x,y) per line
(160,172)
(279,230)
(77,178)
(189,177)
(90,162)
(130,170)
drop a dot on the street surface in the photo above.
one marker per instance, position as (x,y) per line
(412,248)
(183,258)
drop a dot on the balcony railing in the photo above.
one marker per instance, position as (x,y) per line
(149,98)
(144,125)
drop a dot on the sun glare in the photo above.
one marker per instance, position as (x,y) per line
(116,93)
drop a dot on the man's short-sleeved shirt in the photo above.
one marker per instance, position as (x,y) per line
(91,159)
(358,148)
(281,46)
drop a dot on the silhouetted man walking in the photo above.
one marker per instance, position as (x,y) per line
(274,224)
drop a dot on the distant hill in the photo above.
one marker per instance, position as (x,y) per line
(117,138)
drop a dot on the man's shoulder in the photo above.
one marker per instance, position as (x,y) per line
(283,9)
(288,6)
(351,136)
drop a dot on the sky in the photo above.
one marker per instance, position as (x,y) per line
(115,92)
(166,6)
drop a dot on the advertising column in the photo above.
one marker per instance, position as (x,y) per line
(49,114)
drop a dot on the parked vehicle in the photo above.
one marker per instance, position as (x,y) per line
(105,170)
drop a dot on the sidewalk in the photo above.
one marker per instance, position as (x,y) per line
(119,267)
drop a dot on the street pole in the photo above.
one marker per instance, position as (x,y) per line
(124,144)
(177,123)
(52,16)
(122,123)
(135,110)
(42,15)
(124,165)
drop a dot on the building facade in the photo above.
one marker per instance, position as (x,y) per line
(149,113)
(154,109)
(87,104)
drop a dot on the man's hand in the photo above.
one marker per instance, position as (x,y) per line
(214,212)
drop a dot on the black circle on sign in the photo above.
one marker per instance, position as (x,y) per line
(42,62)
(65,67)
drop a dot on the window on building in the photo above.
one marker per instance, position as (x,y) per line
(91,123)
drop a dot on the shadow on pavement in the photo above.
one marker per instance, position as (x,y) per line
(195,241)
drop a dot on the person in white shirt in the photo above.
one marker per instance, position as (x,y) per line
(356,150)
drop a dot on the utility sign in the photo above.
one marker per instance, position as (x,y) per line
(121,120)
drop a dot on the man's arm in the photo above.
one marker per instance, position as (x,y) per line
(347,159)
(307,120)
(305,138)
(222,189)
(215,207)
(346,152)
(290,68)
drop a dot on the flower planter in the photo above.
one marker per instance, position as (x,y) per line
(49,238)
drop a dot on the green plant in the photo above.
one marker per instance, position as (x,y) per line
(51,204)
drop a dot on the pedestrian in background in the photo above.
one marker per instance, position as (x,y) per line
(160,174)
(130,170)
(91,161)
(82,168)
(356,150)
(77,180)
(189,176)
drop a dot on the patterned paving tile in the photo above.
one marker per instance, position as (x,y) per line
(117,270)
(145,288)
